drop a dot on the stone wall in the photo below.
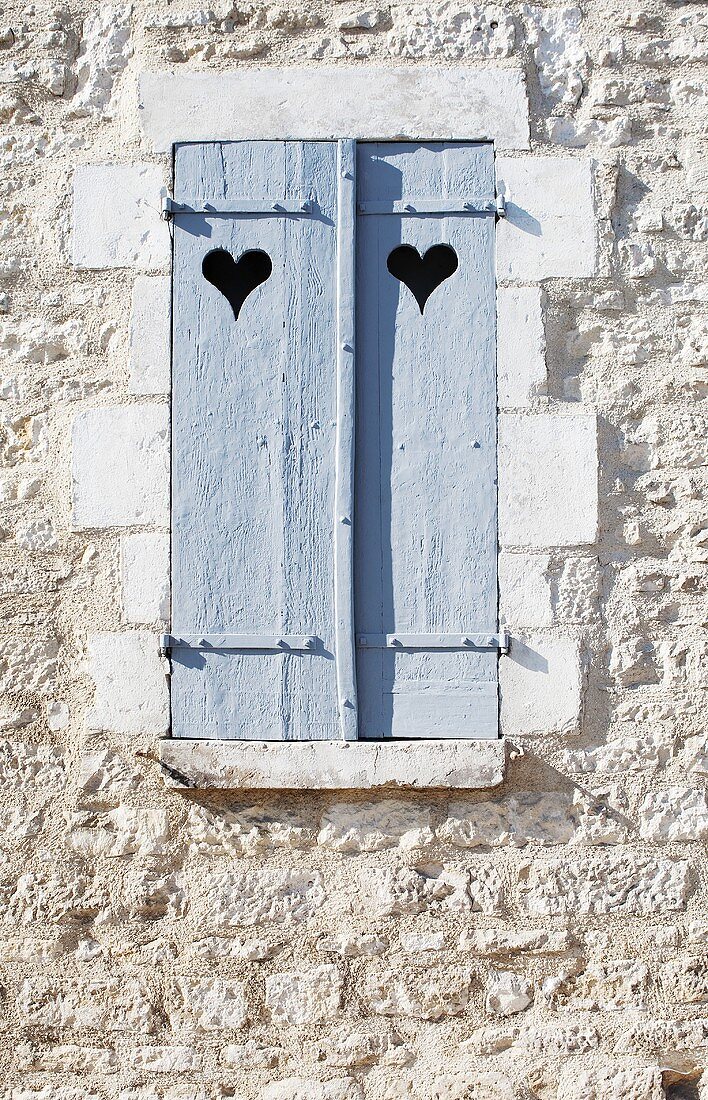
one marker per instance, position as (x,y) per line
(547,939)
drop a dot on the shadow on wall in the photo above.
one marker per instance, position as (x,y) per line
(522,654)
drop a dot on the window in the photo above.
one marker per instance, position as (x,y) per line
(334,523)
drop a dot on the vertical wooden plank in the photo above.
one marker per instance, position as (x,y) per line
(346,396)
(426,449)
(254,409)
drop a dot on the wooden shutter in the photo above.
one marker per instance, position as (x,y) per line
(253,436)
(425,458)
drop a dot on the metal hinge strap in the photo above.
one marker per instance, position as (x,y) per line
(434,641)
(481,205)
(272,208)
(278,643)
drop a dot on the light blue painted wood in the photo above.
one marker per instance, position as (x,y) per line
(253,431)
(425,467)
(346,401)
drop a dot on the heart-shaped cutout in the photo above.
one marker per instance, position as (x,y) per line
(236,279)
(422,274)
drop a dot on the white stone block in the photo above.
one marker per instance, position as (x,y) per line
(120,466)
(547,480)
(521,346)
(145,577)
(332,765)
(550,227)
(131,686)
(540,684)
(116,217)
(325,103)
(150,335)
(524,591)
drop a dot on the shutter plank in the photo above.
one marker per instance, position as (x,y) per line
(425,530)
(253,441)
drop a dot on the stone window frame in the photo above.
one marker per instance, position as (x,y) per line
(547,455)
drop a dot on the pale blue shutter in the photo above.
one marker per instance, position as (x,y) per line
(425,458)
(253,441)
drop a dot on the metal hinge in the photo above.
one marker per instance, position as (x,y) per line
(486,204)
(284,207)
(434,641)
(263,207)
(276,643)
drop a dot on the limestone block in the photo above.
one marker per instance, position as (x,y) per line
(524,591)
(145,577)
(549,230)
(322,103)
(29,767)
(508,993)
(127,830)
(686,979)
(28,663)
(116,217)
(104,778)
(674,814)
(115,1004)
(532,817)
(559,51)
(433,994)
(414,943)
(521,346)
(575,589)
(131,687)
(559,1040)
(149,362)
(245,899)
(614,1082)
(694,755)
(164,1059)
(374,826)
(208,1004)
(617,883)
(351,945)
(36,340)
(64,895)
(547,480)
(442,30)
(151,894)
(332,765)
(121,467)
(69,1058)
(540,684)
(609,986)
(626,754)
(298,1088)
(221,947)
(350,1046)
(309,997)
(502,942)
(250,1055)
(246,830)
(103,54)
(408,890)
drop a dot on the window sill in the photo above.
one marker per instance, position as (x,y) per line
(332,765)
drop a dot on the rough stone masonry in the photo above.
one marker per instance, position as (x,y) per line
(544,939)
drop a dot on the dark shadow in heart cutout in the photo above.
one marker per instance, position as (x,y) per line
(236,279)
(422,274)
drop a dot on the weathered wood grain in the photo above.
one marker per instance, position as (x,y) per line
(254,408)
(425,527)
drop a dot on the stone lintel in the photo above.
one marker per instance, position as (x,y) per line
(324,103)
(332,765)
